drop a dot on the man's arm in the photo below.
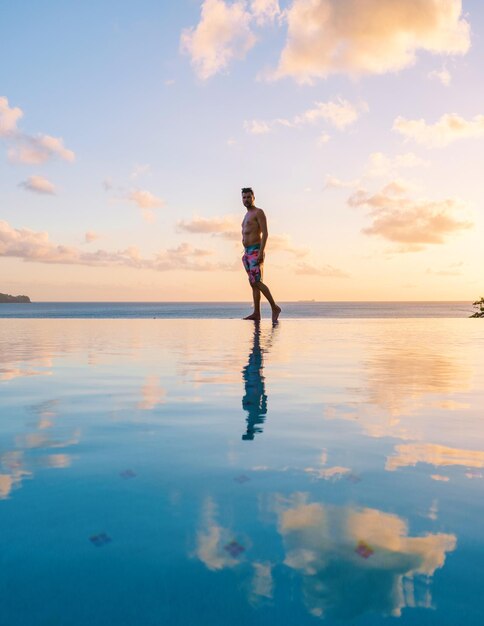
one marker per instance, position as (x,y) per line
(261,219)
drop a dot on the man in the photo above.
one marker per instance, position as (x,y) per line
(254,239)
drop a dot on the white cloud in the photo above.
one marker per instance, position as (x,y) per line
(371,37)
(39,184)
(339,113)
(140,169)
(335,183)
(401,219)
(443,76)
(265,11)
(223,34)
(35,246)
(257,127)
(39,149)
(449,128)
(8,117)
(380,164)
(25,148)
(363,545)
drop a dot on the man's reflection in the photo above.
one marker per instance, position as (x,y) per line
(255,398)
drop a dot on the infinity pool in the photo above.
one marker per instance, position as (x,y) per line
(219,473)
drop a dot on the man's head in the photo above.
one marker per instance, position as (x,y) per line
(248,197)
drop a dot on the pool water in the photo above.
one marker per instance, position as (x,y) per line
(221,472)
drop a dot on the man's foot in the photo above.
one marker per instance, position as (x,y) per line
(254,317)
(275,313)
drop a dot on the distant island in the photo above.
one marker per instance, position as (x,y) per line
(6,298)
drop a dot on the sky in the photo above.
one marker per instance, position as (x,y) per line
(128,129)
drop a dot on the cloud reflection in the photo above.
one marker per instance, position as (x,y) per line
(339,581)
(409,455)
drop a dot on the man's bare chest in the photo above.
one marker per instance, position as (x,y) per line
(250,223)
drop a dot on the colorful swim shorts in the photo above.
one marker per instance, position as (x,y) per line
(252,267)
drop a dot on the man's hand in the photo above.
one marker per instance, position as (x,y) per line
(260,257)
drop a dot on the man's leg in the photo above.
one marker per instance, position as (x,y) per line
(256,297)
(266,291)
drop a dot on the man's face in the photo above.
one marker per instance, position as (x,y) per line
(247,199)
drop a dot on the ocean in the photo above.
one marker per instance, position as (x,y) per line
(235,310)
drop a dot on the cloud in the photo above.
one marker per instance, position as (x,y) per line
(380,164)
(371,37)
(400,219)
(212,539)
(283,243)
(226,227)
(146,201)
(8,117)
(321,540)
(139,170)
(91,236)
(335,183)
(449,128)
(257,127)
(223,34)
(39,149)
(25,148)
(265,11)
(39,184)
(326,271)
(35,246)
(443,76)
(339,113)
(408,455)
(329,473)
(262,584)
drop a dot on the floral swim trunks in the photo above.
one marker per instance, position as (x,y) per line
(252,267)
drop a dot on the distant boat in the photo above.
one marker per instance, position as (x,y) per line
(306,301)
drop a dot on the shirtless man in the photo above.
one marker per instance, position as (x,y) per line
(254,239)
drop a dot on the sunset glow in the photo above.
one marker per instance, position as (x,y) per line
(127,131)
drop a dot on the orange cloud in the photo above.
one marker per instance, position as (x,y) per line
(408,455)
(400,219)
(35,246)
(371,37)
(227,226)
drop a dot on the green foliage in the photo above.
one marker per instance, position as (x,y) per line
(479,305)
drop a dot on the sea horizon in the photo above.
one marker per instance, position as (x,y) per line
(301,309)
